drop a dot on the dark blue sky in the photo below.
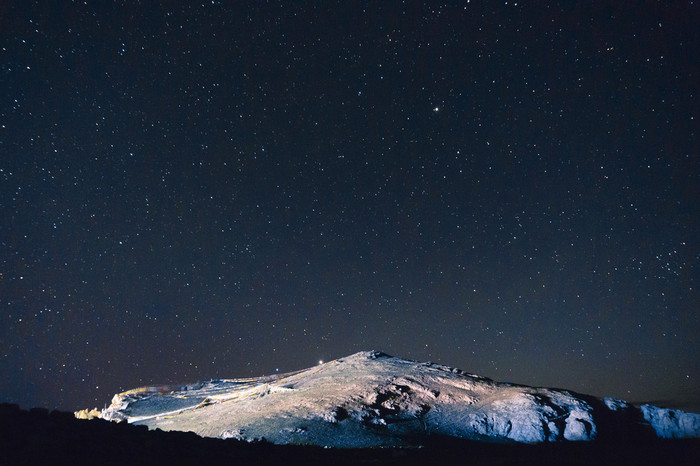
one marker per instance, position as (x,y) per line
(216,190)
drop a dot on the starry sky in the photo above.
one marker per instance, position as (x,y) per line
(217,190)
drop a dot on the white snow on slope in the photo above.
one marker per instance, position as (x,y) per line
(372,399)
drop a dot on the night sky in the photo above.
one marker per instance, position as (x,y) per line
(220,190)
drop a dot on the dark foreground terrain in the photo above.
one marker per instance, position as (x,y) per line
(42,437)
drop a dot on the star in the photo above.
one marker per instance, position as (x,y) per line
(258,203)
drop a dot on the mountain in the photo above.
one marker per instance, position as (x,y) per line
(371,399)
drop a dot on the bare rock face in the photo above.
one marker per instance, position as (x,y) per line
(88,414)
(372,399)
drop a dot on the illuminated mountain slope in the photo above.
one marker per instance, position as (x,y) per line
(372,399)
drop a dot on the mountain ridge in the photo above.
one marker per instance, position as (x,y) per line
(371,399)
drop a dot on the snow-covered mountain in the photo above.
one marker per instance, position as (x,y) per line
(372,399)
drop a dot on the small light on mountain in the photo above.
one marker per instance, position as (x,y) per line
(320,361)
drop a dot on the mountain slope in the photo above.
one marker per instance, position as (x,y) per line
(372,399)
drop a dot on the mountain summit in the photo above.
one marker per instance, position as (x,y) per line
(372,399)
